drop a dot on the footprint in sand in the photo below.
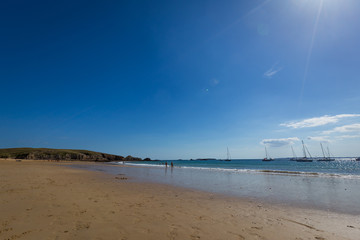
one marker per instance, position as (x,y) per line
(20,235)
(193,237)
(241,237)
(173,232)
(5,230)
(81,225)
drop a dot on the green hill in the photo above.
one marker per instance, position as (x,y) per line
(61,154)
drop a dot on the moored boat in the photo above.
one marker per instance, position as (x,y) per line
(228,159)
(305,158)
(267,158)
(294,158)
(325,158)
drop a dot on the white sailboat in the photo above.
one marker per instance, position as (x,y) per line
(305,158)
(228,157)
(294,155)
(325,158)
(267,158)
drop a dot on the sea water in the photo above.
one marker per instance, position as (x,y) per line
(332,186)
(348,168)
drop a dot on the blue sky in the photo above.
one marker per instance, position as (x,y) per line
(181,79)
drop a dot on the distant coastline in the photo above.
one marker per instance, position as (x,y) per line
(205,159)
(62,155)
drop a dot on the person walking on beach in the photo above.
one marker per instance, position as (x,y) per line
(172,165)
(165,164)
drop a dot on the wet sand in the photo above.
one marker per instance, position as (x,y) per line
(47,200)
(335,194)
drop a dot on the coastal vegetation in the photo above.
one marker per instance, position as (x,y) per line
(62,154)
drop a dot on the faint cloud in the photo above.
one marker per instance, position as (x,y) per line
(343,137)
(317,121)
(324,139)
(328,139)
(279,142)
(272,71)
(346,128)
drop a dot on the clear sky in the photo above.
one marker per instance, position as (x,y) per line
(181,79)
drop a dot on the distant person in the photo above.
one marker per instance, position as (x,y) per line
(165,164)
(172,165)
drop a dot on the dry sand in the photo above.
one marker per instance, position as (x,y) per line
(44,200)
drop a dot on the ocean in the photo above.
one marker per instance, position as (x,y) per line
(330,186)
(343,167)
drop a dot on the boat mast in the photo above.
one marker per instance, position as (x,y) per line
(266,153)
(328,151)
(228,153)
(322,149)
(292,149)
(308,152)
(303,148)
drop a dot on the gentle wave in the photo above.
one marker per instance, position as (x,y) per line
(140,164)
(258,171)
(277,172)
(313,174)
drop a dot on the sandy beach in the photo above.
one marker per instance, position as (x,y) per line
(48,200)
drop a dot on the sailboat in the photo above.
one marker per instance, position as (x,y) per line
(294,155)
(228,155)
(305,158)
(267,158)
(325,158)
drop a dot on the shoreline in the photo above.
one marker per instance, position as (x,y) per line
(41,199)
(310,192)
